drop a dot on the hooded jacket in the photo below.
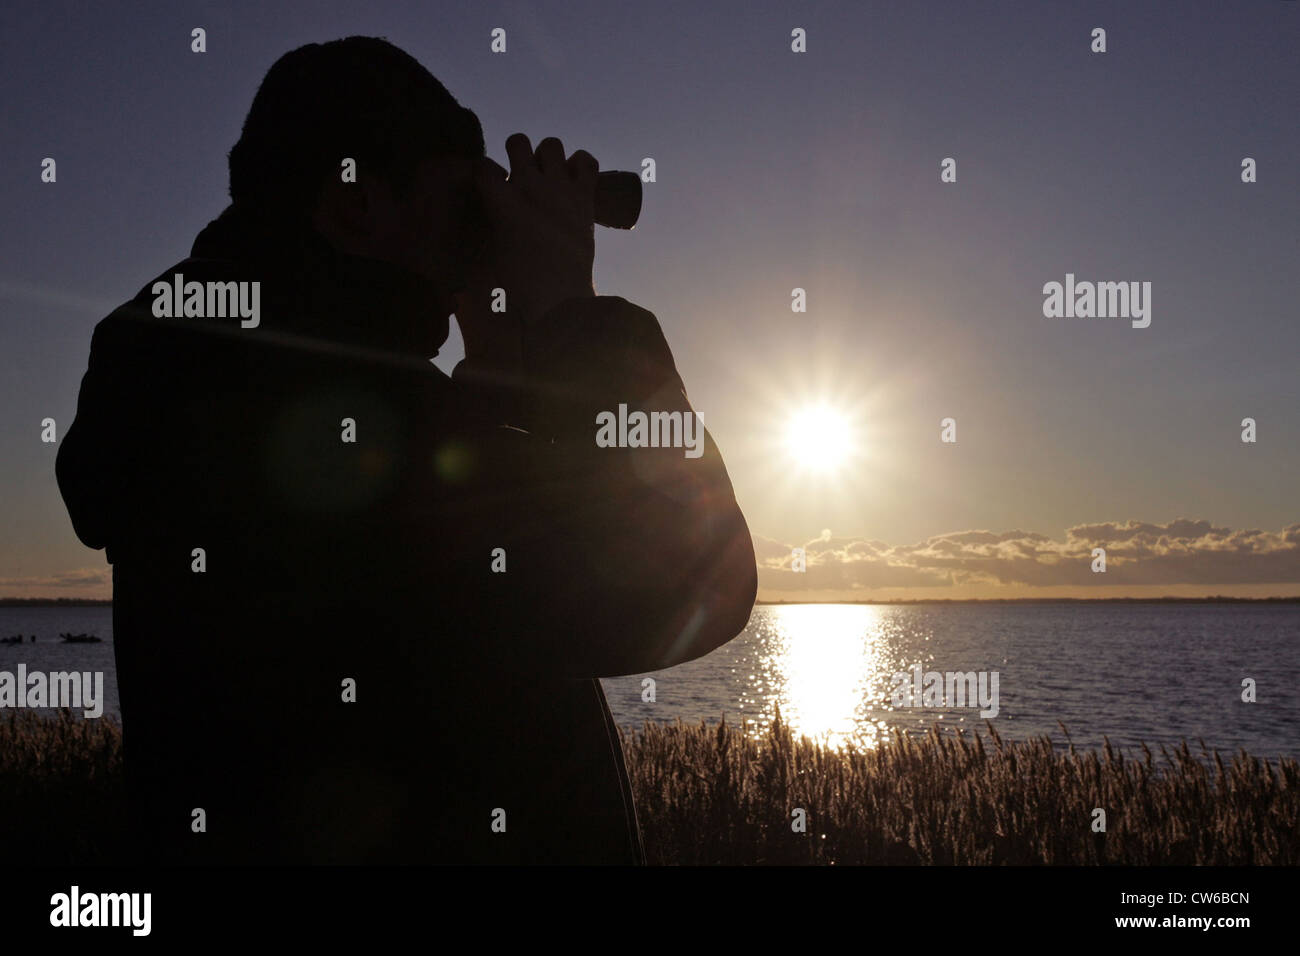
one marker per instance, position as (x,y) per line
(361,607)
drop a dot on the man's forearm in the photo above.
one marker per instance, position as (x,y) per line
(636,552)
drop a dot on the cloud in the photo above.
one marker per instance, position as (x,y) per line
(84,579)
(1182,552)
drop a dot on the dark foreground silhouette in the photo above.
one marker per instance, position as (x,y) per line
(329,564)
(710,794)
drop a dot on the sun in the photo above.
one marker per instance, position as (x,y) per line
(819,438)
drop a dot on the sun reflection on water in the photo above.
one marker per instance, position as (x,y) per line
(827,667)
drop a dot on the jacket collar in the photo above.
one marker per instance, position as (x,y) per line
(310,288)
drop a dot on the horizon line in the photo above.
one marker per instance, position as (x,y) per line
(1167,599)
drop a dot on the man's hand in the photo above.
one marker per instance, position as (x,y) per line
(541,221)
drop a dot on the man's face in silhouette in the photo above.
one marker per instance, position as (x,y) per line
(431,227)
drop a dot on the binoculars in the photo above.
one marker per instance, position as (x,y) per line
(618,206)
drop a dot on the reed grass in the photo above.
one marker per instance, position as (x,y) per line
(62,797)
(709,794)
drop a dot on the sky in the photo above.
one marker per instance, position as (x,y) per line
(778,170)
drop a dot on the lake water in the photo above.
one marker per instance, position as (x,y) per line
(50,654)
(1157,673)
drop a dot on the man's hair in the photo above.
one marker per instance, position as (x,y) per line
(360,98)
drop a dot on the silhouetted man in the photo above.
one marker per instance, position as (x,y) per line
(360,607)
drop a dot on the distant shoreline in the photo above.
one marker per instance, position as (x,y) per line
(1212,599)
(55,602)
